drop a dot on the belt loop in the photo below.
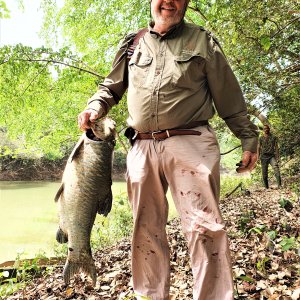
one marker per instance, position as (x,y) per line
(135,134)
(168,133)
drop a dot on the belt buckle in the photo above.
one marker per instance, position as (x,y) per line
(160,131)
(155,132)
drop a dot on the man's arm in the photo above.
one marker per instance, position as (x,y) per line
(259,148)
(231,106)
(110,91)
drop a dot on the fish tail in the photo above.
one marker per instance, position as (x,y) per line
(90,269)
(72,268)
(61,237)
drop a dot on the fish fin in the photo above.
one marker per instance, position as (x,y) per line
(105,206)
(88,267)
(76,149)
(61,236)
(59,192)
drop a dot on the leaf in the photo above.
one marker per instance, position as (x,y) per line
(265,42)
(272,234)
(246,278)
(69,292)
(287,243)
(4,12)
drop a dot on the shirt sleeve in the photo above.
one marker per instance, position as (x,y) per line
(229,100)
(112,89)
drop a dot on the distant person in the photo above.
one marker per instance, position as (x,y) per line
(268,152)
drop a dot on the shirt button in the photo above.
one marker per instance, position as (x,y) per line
(157,72)
(153,115)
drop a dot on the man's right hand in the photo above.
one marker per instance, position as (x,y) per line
(248,162)
(87,117)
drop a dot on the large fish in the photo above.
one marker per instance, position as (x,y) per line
(85,190)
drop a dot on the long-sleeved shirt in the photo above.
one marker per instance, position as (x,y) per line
(268,146)
(174,80)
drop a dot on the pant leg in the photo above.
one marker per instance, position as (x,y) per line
(264,172)
(191,165)
(147,194)
(275,166)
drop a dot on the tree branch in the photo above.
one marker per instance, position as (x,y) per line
(62,63)
(231,150)
(283,28)
(196,9)
(29,84)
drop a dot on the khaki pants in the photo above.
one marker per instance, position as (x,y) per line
(189,165)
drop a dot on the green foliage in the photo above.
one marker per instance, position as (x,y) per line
(246,278)
(258,229)
(295,188)
(4,11)
(45,99)
(229,183)
(244,222)
(261,265)
(286,204)
(25,271)
(272,234)
(95,28)
(288,243)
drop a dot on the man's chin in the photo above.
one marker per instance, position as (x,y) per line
(168,21)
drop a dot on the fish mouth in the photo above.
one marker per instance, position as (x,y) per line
(91,136)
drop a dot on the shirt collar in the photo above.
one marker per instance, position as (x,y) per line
(170,34)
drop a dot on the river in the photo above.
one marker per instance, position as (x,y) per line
(28,216)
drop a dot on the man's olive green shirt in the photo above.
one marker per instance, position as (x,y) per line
(174,80)
(268,146)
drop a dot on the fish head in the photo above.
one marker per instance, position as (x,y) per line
(104,129)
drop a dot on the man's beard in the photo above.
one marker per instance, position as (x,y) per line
(169,21)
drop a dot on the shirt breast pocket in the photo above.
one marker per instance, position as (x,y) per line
(139,66)
(188,71)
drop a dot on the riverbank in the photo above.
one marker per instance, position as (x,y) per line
(31,170)
(26,169)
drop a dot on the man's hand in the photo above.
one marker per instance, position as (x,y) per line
(248,162)
(87,117)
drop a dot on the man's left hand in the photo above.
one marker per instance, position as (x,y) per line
(248,162)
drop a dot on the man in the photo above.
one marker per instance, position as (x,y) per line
(268,153)
(176,71)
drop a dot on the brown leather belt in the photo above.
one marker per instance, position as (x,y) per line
(164,134)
